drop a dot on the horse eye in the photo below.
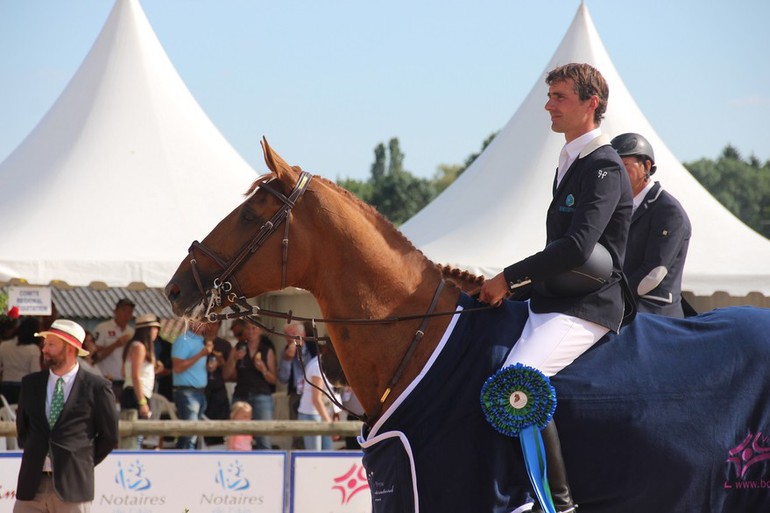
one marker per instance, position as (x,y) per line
(248,215)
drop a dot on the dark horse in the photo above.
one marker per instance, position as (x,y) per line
(668,416)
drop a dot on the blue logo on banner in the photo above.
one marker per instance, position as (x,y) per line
(231,477)
(132,478)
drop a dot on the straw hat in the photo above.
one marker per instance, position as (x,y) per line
(69,331)
(147,321)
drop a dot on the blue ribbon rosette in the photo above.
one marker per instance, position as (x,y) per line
(519,401)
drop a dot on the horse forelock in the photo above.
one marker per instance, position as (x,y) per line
(259,181)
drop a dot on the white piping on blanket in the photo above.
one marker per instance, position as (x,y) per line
(384,417)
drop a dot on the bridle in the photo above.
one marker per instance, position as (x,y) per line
(225,284)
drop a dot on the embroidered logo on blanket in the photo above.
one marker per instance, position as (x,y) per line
(755,448)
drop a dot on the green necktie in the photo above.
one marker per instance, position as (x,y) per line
(57,402)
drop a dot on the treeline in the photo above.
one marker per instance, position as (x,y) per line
(741,185)
(395,192)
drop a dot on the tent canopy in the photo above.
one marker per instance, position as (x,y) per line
(494,214)
(122,173)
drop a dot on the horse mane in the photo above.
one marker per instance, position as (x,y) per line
(467,281)
(368,209)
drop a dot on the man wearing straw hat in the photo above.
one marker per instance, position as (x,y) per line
(66,422)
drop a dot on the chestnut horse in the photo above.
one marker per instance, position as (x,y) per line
(416,351)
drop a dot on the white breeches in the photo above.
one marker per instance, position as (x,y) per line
(551,341)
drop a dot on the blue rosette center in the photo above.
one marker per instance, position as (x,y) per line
(517,397)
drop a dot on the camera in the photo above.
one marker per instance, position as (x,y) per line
(242,346)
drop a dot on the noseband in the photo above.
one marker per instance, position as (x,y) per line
(225,283)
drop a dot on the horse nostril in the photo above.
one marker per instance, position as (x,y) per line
(172,291)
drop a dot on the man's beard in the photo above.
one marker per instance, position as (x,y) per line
(53,362)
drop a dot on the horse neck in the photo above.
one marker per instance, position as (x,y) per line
(365,269)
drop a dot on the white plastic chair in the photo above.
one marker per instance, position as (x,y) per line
(160,406)
(7,414)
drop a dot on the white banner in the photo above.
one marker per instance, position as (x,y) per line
(10,462)
(218,482)
(163,481)
(205,482)
(30,300)
(329,482)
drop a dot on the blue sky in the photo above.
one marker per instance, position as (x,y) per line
(327,81)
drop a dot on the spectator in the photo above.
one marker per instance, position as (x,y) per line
(312,403)
(188,364)
(237,330)
(110,337)
(139,368)
(66,422)
(290,370)
(19,356)
(87,362)
(253,368)
(8,323)
(241,410)
(164,381)
(217,401)
(354,411)
(659,235)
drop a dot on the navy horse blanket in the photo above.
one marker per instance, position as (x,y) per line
(670,415)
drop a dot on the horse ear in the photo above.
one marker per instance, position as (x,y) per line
(275,163)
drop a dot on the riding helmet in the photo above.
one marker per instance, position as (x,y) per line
(631,144)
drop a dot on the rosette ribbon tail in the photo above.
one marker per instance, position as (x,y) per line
(520,401)
(533,449)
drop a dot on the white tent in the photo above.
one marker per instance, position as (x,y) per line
(494,214)
(122,173)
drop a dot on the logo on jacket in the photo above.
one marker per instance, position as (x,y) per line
(569,201)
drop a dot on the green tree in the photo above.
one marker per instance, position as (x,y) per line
(742,186)
(473,156)
(397,194)
(446,175)
(378,167)
(394,191)
(391,189)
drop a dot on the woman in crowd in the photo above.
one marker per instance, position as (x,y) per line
(18,357)
(312,402)
(139,368)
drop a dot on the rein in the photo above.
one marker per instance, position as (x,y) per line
(226,284)
(221,283)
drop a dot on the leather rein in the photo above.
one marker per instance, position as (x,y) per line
(225,285)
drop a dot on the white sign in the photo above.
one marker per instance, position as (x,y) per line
(10,462)
(201,482)
(218,482)
(30,300)
(329,482)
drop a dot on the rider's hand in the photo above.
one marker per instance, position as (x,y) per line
(493,291)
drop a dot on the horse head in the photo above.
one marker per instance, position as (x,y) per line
(246,254)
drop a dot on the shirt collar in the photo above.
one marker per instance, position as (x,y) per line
(575,146)
(639,198)
(69,376)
